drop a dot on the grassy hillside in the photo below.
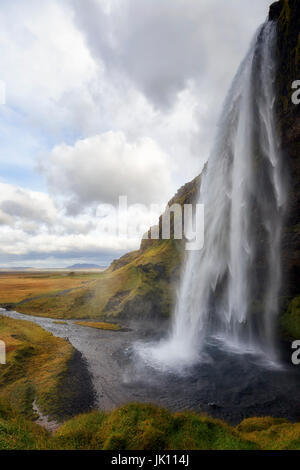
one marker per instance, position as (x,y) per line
(40,367)
(147,427)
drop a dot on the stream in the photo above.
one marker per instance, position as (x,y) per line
(227,385)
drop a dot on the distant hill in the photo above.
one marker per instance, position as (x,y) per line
(84,266)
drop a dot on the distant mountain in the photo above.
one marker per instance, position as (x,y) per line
(84,266)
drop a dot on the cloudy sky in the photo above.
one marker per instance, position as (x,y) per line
(106,98)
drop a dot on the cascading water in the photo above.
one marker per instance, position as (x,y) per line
(231,287)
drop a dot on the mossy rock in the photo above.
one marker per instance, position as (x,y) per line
(290,321)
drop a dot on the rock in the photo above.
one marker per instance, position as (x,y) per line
(275,10)
(214,406)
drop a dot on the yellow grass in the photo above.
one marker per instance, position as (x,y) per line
(110,292)
(99,325)
(36,361)
(16,287)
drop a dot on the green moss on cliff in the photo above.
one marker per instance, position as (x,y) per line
(291,319)
(287,14)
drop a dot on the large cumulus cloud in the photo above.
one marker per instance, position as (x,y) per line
(104,167)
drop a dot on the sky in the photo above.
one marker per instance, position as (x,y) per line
(107,98)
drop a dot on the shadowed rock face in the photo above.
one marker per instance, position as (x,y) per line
(275,10)
(287,13)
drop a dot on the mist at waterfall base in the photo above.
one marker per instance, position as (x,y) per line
(229,290)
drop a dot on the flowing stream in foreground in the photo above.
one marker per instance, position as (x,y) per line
(229,385)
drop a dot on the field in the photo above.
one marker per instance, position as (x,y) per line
(137,286)
(17,287)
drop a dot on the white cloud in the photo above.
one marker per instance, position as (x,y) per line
(162,45)
(45,64)
(104,167)
(33,227)
(18,204)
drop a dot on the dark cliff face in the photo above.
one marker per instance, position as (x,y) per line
(287,15)
(289,125)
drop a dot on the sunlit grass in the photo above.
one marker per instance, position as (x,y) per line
(36,364)
(16,287)
(128,290)
(148,427)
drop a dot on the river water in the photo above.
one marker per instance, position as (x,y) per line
(226,384)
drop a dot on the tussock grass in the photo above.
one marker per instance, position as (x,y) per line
(147,427)
(271,434)
(36,364)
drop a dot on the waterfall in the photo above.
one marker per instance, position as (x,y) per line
(230,288)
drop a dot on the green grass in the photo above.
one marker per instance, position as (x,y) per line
(271,433)
(290,321)
(99,325)
(37,363)
(147,427)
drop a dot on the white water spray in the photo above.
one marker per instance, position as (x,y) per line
(231,287)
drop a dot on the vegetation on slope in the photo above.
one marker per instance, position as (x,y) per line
(43,368)
(147,427)
(290,321)
(141,287)
(18,433)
